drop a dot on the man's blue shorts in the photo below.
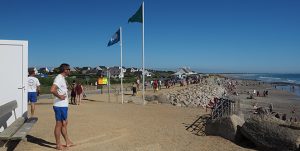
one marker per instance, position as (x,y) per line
(32,97)
(61,113)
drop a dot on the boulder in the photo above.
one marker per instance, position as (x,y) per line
(162,98)
(262,111)
(226,127)
(149,98)
(270,133)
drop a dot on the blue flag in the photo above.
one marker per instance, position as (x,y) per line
(114,39)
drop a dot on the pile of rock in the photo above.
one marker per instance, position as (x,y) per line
(197,95)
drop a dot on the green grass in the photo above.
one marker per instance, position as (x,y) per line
(45,89)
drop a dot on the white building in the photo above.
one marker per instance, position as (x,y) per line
(184,72)
(13,60)
(132,70)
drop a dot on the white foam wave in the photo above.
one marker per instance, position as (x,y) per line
(270,78)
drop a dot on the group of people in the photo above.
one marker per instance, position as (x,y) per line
(265,93)
(282,116)
(60,106)
(157,84)
(76,93)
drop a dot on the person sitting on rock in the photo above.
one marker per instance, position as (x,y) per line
(255,107)
(277,115)
(251,96)
(271,107)
(211,104)
(283,117)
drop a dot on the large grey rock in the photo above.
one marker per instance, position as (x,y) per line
(226,127)
(162,98)
(149,98)
(262,111)
(270,133)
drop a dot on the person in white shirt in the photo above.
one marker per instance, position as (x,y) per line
(60,90)
(33,90)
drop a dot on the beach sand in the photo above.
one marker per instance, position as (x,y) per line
(99,124)
(283,101)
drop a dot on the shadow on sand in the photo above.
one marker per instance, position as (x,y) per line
(9,145)
(40,142)
(198,126)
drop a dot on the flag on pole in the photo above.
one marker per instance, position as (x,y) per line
(137,17)
(114,39)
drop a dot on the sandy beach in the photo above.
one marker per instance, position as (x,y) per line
(283,101)
(99,124)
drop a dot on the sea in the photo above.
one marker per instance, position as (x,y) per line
(287,82)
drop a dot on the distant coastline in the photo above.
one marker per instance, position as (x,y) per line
(286,82)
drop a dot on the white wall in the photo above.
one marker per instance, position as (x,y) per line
(13,79)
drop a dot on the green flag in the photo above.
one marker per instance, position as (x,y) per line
(138,16)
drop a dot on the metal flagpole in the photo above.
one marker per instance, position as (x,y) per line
(143,56)
(121,65)
(108,83)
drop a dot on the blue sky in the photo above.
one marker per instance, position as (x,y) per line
(206,35)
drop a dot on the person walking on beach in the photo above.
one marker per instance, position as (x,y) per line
(33,90)
(138,83)
(159,84)
(155,85)
(79,91)
(134,89)
(60,90)
(73,93)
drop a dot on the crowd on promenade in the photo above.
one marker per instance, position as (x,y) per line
(156,84)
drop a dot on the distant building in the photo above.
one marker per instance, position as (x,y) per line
(184,72)
(147,73)
(101,68)
(132,70)
(85,70)
(115,72)
(73,69)
(44,70)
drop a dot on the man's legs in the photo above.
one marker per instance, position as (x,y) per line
(32,99)
(57,132)
(77,99)
(64,133)
(32,104)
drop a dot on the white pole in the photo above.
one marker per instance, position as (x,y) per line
(121,65)
(143,57)
(108,83)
